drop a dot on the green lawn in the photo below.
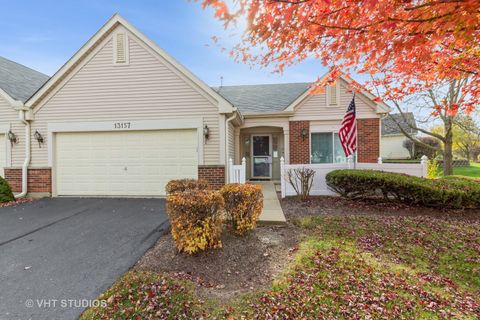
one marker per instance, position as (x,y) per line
(472,171)
(346,267)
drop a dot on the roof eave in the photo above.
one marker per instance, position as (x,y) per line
(281,114)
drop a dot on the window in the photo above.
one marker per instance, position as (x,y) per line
(326,148)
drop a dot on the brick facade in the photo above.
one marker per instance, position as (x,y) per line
(39,180)
(215,175)
(299,146)
(368,140)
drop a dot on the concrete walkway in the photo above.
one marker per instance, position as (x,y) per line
(272,211)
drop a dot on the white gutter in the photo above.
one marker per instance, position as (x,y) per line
(26,162)
(226,143)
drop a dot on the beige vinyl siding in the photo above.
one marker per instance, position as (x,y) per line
(231,141)
(315,107)
(9,116)
(392,147)
(144,89)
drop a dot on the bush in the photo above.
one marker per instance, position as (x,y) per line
(6,194)
(182,185)
(301,180)
(433,169)
(197,219)
(243,204)
(447,193)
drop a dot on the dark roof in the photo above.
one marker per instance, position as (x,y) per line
(390,127)
(262,97)
(18,81)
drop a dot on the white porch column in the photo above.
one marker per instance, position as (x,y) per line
(237,145)
(286,145)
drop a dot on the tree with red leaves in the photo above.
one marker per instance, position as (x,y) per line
(414,44)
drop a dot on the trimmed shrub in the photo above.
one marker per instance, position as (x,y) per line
(182,185)
(447,193)
(6,194)
(197,218)
(243,204)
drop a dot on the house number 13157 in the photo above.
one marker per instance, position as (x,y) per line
(121,125)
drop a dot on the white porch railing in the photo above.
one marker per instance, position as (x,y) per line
(237,172)
(319,186)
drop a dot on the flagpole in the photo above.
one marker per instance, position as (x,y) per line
(356,135)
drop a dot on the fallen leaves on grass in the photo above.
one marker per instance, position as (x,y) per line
(143,295)
(448,246)
(340,283)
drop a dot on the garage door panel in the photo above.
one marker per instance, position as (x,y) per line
(133,163)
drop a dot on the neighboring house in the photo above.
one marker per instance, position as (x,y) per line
(392,144)
(17,84)
(122,117)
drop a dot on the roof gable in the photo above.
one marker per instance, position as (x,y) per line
(18,81)
(381,107)
(224,105)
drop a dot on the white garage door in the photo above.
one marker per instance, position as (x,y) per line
(3,154)
(127,163)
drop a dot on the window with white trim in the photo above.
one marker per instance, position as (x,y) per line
(120,48)
(325,147)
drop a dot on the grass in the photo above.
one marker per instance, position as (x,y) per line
(346,267)
(471,171)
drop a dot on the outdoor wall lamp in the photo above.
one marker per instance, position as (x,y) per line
(39,138)
(304,133)
(206,132)
(12,137)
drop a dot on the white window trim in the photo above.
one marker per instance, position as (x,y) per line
(333,131)
(135,125)
(114,48)
(328,94)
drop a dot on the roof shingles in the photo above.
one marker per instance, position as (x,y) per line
(18,81)
(263,97)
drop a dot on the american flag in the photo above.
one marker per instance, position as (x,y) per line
(348,132)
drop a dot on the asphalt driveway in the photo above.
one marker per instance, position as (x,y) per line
(57,255)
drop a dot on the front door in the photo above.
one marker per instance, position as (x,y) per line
(262,156)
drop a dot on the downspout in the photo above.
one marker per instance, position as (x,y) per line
(227,159)
(26,162)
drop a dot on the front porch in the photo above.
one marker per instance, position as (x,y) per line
(262,147)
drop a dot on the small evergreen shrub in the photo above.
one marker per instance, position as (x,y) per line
(243,204)
(182,185)
(6,194)
(445,192)
(197,218)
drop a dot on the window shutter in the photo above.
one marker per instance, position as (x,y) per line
(333,94)
(121,55)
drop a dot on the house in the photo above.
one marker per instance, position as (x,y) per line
(122,117)
(392,143)
(17,84)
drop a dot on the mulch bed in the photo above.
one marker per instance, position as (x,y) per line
(328,205)
(242,265)
(13,203)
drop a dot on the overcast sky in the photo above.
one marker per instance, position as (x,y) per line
(44,34)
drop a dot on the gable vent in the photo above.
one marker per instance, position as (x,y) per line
(332,95)
(120,48)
